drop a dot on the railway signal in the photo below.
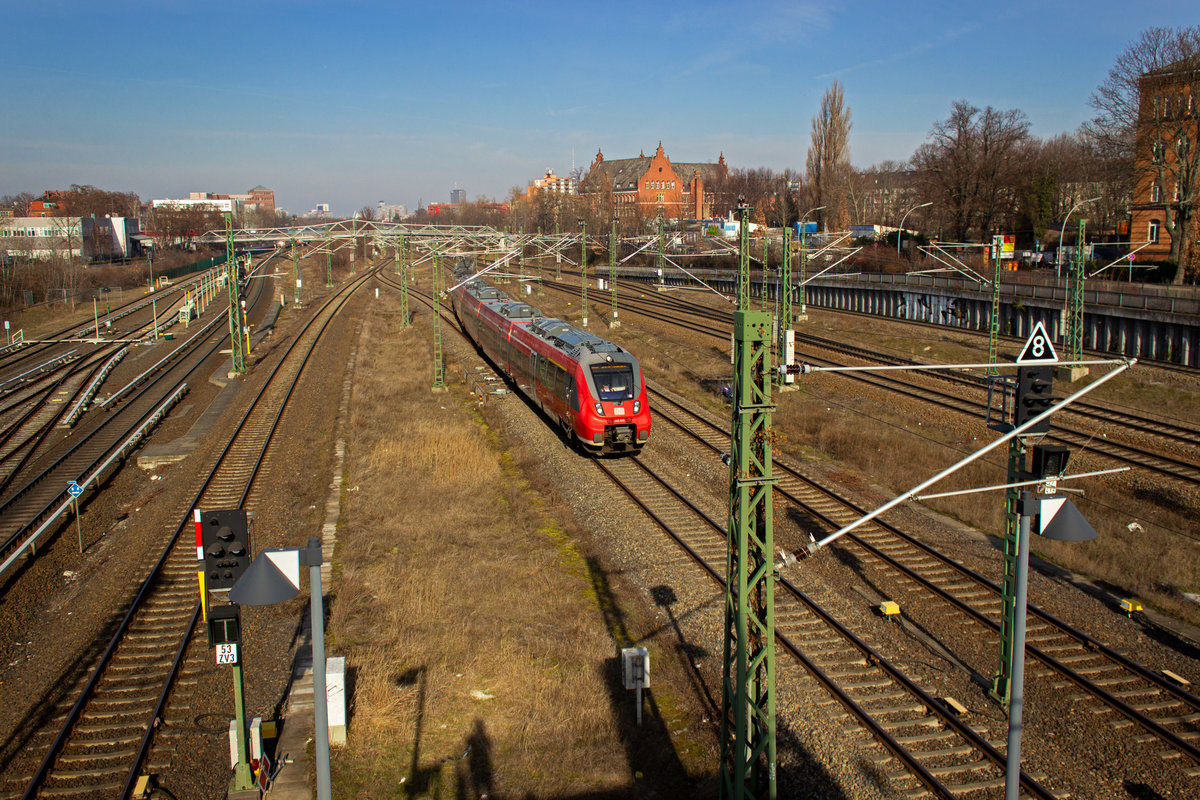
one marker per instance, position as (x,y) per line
(225,632)
(225,537)
(1035,394)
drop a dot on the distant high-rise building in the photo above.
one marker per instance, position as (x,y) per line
(391,212)
(458,196)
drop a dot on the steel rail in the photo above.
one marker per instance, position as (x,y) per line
(909,760)
(1089,642)
(148,584)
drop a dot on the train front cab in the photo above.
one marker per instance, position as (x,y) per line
(616,417)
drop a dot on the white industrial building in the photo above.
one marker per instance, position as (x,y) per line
(40,237)
(225,205)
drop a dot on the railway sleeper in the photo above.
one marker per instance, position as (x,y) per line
(1139,691)
(975,765)
(140,663)
(927,721)
(878,710)
(959,788)
(1159,706)
(927,736)
(107,755)
(86,729)
(848,670)
(1182,719)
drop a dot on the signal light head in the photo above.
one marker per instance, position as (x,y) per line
(225,537)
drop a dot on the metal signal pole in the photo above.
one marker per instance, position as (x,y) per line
(766,258)
(748,750)
(613,321)
(237,352)
(439,366)
(1002,680)
(583,266)
(328,258)
(1073,325)
(661,245)
(402,269)
(785,299)
(994,327)
(743,284)
(785,276)
(296,272)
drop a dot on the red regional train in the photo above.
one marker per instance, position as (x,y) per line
(592,387)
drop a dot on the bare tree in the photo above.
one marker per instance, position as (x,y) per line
(19,203)
(88,201)
(1147,115)
(970,166)
(828,162)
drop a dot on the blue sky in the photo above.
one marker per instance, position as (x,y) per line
(354,102)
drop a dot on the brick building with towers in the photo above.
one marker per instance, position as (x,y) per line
(643,187)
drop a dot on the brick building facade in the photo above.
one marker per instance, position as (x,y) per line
(1166,159)
(642,187)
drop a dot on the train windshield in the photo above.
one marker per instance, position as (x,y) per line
(614,382)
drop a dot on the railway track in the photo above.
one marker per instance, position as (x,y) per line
(100,732)
(1096,680)
(1092,681)
(37,466)
(1169,366)
(928,745)
(1179,434)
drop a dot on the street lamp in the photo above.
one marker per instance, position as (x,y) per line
(804,216)
(1063,232)
(900,233)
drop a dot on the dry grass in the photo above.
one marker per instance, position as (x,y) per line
(886,441)
(894,444)
(465,616)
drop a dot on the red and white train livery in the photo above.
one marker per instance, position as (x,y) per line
(592,387)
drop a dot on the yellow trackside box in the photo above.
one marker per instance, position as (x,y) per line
(1129,605)
(889,608)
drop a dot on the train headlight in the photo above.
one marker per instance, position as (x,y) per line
(637,406)
(599,409)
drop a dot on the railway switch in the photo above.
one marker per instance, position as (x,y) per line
(225,536)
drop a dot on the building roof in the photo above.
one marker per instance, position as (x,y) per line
(260,188)
(1188,64)
(624,173)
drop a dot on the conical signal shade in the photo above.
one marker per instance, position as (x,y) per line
(273,577)
(1060,520)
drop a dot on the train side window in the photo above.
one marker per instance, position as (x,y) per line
(572,395)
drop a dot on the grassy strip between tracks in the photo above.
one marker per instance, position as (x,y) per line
(894,443)
(473,624)
(1147,546)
